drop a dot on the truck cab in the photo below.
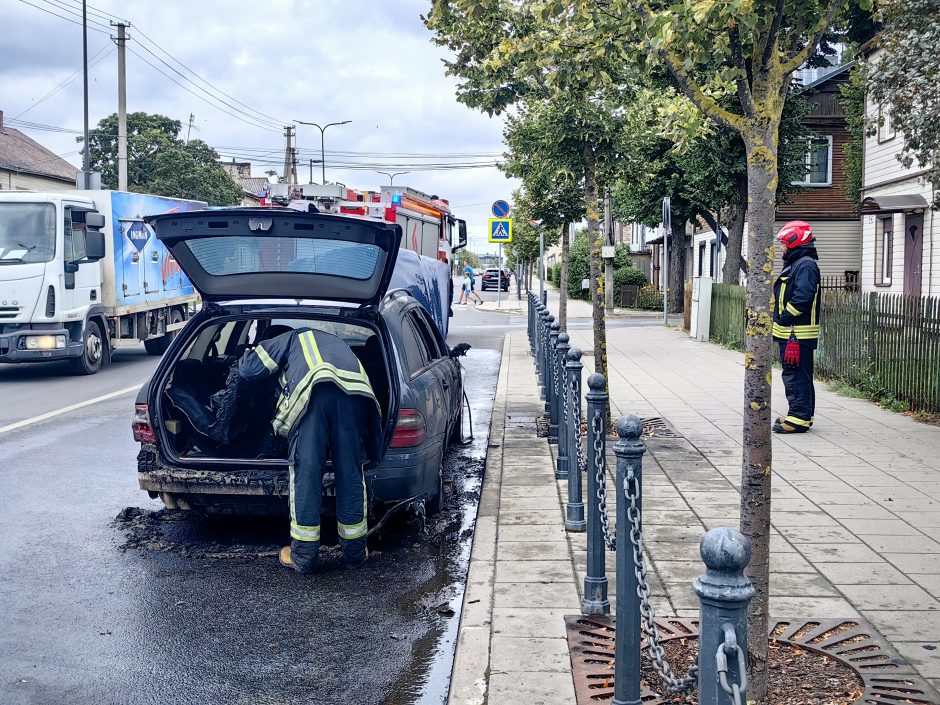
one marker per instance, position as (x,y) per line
(50,277)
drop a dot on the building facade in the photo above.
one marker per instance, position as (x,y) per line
(25,165)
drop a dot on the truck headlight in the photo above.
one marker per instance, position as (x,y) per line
(45,342)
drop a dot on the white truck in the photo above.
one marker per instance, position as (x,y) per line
(82,275)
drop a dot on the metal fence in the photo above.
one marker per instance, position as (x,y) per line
(724,591)
(886,345)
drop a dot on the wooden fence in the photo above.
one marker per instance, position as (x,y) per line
(887,345)
(726,326)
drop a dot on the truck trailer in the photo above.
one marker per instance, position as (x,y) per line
(82,274)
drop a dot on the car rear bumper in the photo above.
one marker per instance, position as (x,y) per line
(402,474)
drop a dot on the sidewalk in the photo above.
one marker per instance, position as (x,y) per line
(856,514)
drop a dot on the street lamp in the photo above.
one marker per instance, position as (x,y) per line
(391,177)
(322,148)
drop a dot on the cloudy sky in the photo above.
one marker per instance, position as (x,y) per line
(263,65)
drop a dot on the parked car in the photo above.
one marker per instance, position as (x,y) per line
(490,277)
(257,268)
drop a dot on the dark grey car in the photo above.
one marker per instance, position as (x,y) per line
(261,270)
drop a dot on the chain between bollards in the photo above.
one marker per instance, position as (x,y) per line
(553,333)
(574,509)
(595,600)
(561,401)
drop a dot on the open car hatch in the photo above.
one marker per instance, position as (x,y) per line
(271,253)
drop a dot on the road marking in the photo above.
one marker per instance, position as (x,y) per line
(67,409)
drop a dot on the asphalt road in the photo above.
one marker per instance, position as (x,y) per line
(108,600)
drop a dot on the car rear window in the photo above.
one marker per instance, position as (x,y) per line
(225,255)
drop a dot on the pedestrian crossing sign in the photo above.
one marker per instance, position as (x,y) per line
(500,230)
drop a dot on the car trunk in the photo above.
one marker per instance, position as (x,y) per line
(198,366)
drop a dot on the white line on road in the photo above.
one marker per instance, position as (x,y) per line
(67,409)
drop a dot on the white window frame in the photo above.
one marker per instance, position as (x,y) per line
(887,251)
(808,162)
(886,131)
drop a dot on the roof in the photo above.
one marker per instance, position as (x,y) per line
(832,74)
(23,154)
(254,184)
(903,202)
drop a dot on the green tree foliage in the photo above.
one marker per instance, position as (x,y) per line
(628,276)
(465,257)
(852,97)
(159,162)
(905,75)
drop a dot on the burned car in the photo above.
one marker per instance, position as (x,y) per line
(262,271)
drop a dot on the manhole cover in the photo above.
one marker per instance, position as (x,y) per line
(886,677)
(656,427)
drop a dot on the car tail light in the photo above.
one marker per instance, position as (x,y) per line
(143,431)
(410,430)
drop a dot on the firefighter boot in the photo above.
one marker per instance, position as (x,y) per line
(286,558)
(781,425)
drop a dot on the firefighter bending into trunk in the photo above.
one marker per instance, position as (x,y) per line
(326,406)
(796,324)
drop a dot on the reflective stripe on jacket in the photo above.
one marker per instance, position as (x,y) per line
(796,301)
(304,358)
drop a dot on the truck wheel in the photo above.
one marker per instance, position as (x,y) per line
(90,360)
(158,346)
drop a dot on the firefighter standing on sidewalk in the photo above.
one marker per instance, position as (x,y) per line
(327,406)
(796,324)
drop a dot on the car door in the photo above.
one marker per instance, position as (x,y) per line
(424,390)
(448,374)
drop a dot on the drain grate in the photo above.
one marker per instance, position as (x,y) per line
(657,427)
(887,678)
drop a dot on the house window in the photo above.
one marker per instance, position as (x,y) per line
(884,251)
(701,259)
(885,124)
(818,162)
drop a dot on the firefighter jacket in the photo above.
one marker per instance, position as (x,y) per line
(305,358)
(796,297)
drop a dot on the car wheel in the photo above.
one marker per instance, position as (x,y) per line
(158,346)
(92,351)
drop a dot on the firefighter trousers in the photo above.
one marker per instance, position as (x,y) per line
(332,426)
(798,383)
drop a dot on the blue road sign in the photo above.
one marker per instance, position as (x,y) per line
(500,230)
(500,209)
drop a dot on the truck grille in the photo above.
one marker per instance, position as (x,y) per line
(9,312)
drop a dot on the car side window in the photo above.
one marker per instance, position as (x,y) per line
(416,354)
(426,329)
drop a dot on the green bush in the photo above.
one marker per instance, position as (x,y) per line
(554,274)
(649,299)
(628,276)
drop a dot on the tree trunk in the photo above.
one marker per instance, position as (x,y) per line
(563,281)
(737,211)
(677,269)
(756,465)
(597,266)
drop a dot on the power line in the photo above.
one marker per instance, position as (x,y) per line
(61,17)
(59,5)
(202,98)
(95,60)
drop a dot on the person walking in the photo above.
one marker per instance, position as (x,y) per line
(326,407)
(464,289)
(470,281)
(796,324)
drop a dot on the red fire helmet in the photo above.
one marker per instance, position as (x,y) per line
(795,234)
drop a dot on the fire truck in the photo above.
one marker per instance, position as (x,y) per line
(427,224)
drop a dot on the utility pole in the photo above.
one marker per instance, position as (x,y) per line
(293,165)
(189,129)
(121,40)
(288,153)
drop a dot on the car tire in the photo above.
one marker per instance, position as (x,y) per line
(158,346)
(89,362)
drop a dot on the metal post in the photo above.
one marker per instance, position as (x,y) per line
(541,265)
(546,360)
(541,313)
(564,408)
(629,451)
(595,578)
(552,382)
(574,509)
(724,592)
(499,276)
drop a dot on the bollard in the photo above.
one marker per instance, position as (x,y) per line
(629,451)
(552,381)
(539,323)
(574,509)
(595,599)
(724,592)
(546,361)
(543,327)
(564,407)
